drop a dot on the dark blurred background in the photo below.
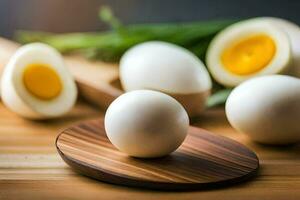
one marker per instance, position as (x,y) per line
(81,15)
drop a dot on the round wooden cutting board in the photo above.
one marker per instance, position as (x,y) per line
(204,160)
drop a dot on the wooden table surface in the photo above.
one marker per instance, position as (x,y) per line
(30,167)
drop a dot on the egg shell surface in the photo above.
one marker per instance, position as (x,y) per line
(145,123)
(267,109)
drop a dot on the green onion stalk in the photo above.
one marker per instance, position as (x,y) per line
(110,45)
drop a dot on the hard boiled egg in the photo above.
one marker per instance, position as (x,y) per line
(167,68)
(293,32)
(267,109)
(36,84)
(145,123)
(249,48)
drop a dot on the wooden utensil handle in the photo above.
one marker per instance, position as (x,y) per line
(93,78)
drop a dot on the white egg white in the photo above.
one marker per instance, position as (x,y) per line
(167,68)
(280,63)
(267,109)
(145,123)
(293,32)
(18,99)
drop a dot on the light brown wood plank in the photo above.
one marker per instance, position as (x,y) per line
(83,188)
(279,176)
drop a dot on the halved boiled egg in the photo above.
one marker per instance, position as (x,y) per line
(246,49)
(36,84)
(293,32)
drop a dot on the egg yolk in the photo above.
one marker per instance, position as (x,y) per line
(250,55)
(42,81)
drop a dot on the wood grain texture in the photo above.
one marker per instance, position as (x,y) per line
(204,160)
(30,167)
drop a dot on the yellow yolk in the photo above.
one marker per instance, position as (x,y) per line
(249,55)
(42,81)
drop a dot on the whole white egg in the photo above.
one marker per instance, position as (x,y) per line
(145,123)
(267,109)
(167,68)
